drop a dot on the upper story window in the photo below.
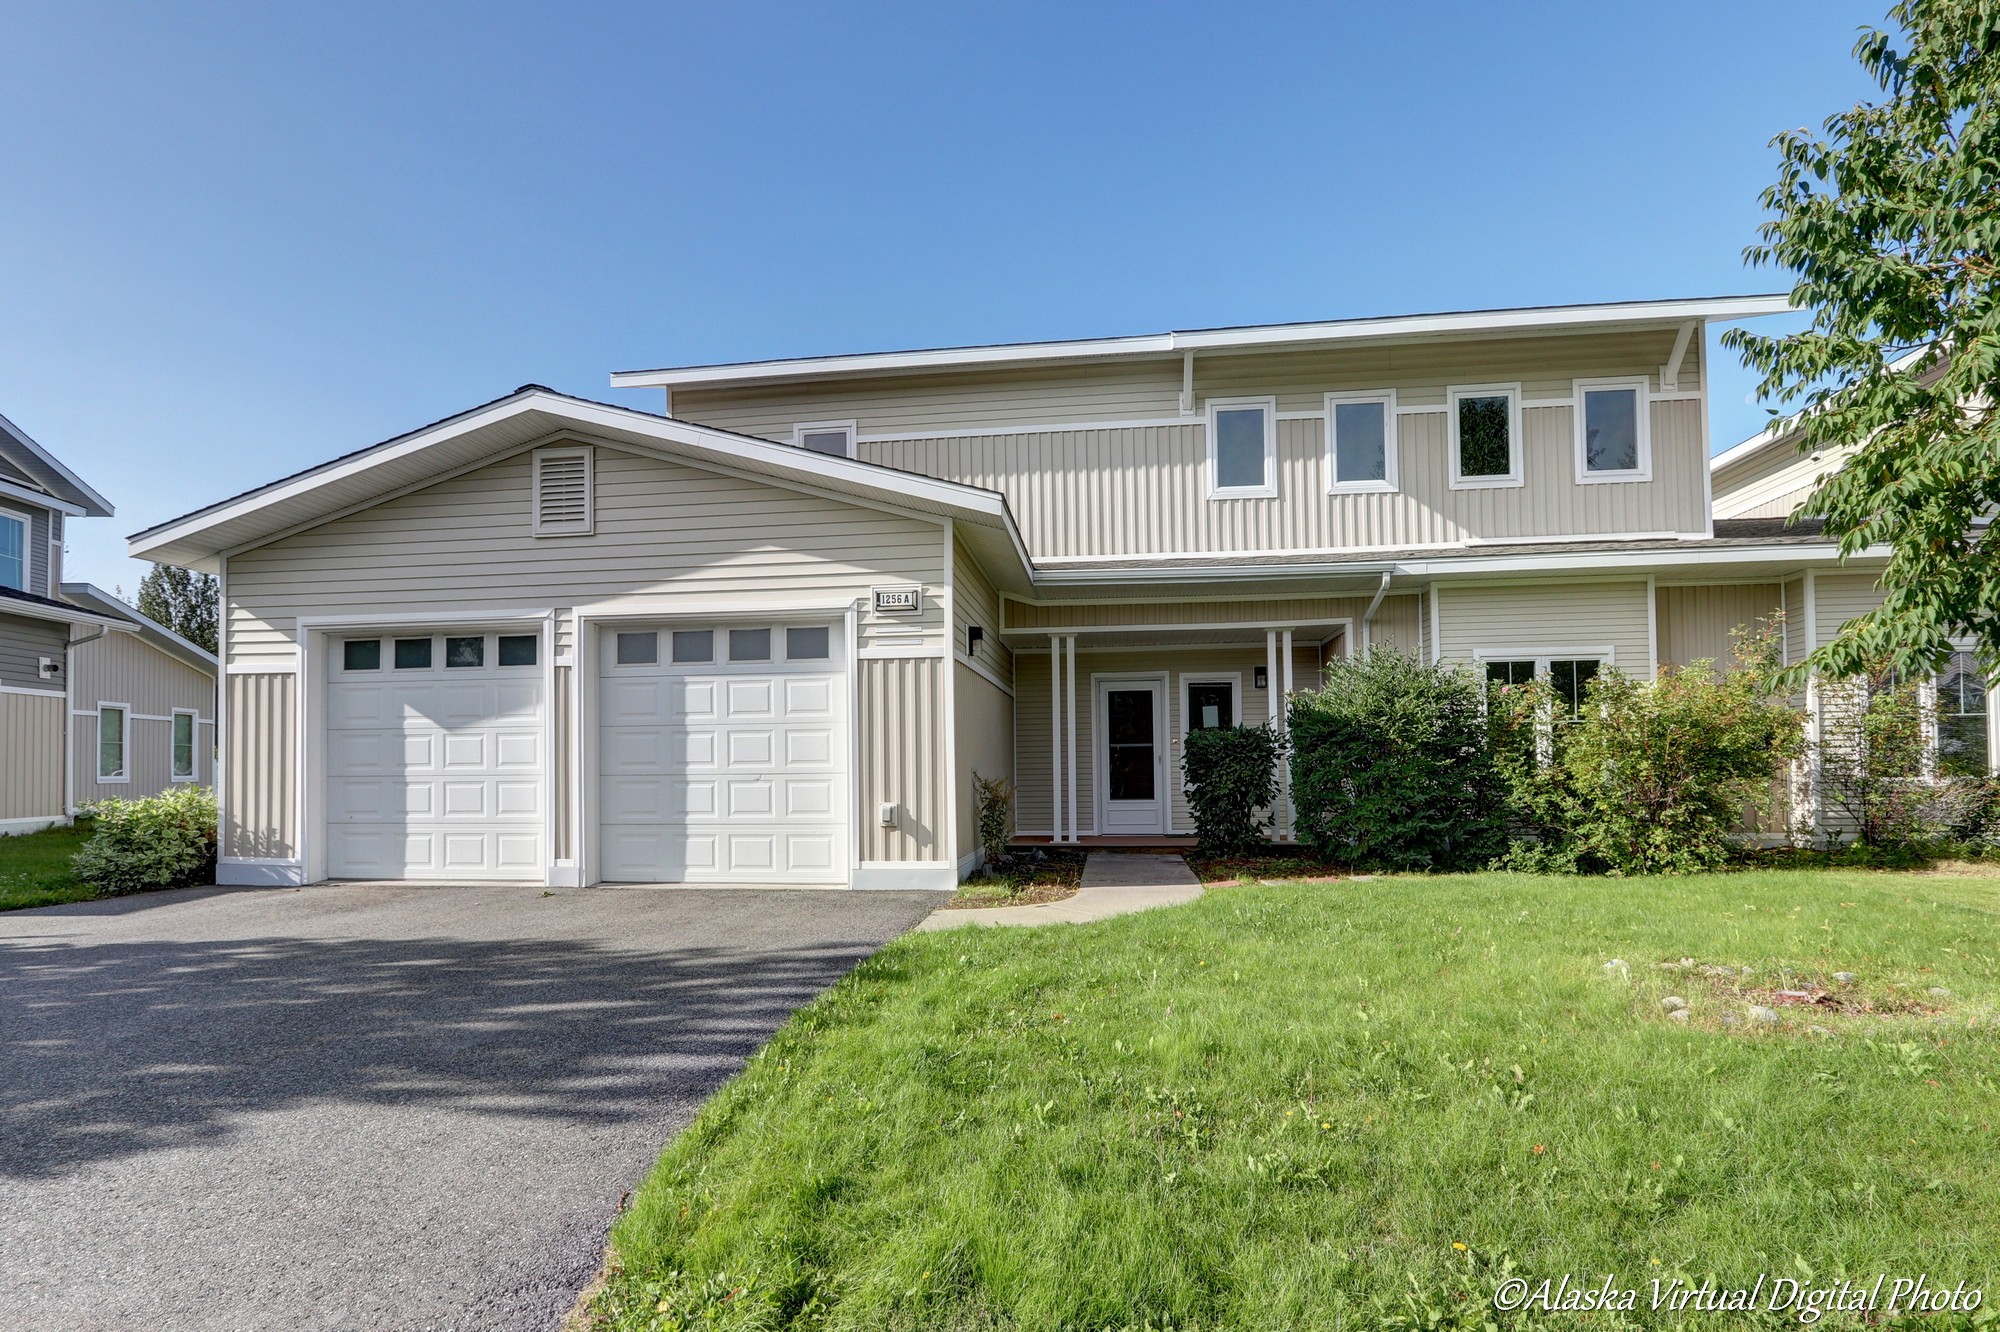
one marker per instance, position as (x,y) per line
(1360,442)
(1242,447)
(1485,426)
(834,438)
(14,551)
(1612,439)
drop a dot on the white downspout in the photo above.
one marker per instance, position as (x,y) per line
(1368,616)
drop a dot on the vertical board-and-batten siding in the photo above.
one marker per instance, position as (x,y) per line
(260,766)
(1700,623)
(31,738)
(902,757)
(125,669)
(1478,621)
(663,530)
(1143,490)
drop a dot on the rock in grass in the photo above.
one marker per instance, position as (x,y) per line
(1731,1020)
(1844,977)
(1678,1015)
(1673,1003)
(1762,1016)
(1938,992)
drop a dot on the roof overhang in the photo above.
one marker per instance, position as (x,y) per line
(75,616)
(530,416)
(151,630)
(1395,328)
(48,470)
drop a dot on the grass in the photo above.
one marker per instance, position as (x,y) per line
(1348,1106)
(34,868)
(1025,878)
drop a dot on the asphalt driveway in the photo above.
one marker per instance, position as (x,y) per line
(369,1107)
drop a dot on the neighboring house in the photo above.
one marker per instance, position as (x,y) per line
(769,636)
(143,705)
(38,632)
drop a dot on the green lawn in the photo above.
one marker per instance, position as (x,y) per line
(34,868)
(1288,1107)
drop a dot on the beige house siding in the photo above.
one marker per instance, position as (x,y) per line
(259,767)
(1838,598)
(1773,481)
(1398,624)
(124,669)
(1276,612)
(1534,619)
(985,746)
(975,601)
(663,530)
(1143,490)
(901,730)
(31,737)
(1544,365)
(1032,773)
(1698,623)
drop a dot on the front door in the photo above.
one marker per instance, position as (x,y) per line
(1130,756)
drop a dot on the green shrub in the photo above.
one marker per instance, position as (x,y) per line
(1231,772)
(1649,777)
(1390,766)
(995,796)
(163,841)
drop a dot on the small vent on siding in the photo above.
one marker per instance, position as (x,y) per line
(563,501)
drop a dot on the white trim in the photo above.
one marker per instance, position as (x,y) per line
(27,523)
(1419,409)
(970,862)
(218,768)
(1670,373)
(1031,428)
(850,429)
(540,527)
(1453,394)
(1269,407)
(253,872)
(1642,414)
(1179,343)
(980,669)
(901,876)
(41,499)
(1344,621)
(1389,482)
(194,745)
(1653,628)
(1608,655)
(470,617)
(1234,679)
(895,651)
(949,690)
(36,693)
(1069,727)
(262,668)
(1160,682)
(124,774)
(32,823)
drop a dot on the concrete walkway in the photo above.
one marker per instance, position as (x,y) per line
(1115,883)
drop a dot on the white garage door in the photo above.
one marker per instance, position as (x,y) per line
(722,754)
(434,757)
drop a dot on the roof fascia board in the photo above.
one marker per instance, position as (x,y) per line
(63,615)
(55,464)
(1177,343)
(1786,425)
(147,625)
(42,498)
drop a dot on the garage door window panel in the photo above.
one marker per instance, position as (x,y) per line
(464,653)
(749,645)
(693,646)
(638,649)
(413,654)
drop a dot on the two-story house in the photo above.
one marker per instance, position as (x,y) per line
(770,635)
(96,700)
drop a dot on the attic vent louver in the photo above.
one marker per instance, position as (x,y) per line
(563,500)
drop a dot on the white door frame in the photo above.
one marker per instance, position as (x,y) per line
(1100,744)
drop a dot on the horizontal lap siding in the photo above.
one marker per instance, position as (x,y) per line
(31,739)
(662,530)
(1699,623)
(902,757)
(975,601)
(1538,618)
(23,644)
(1838,598)
(985,739)
(259,766)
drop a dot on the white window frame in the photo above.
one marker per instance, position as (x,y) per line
(1189,679)
(1269,490)
(589,524)
(27,535)
(852,429)
(1643,412)
(1389,481)
(1603,656)
(193,774)
(1516,446)
(124,773)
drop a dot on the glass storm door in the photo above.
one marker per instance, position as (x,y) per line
(1134,787)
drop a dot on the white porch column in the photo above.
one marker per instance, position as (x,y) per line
(1069,724)
(1286,819)
(1055,740)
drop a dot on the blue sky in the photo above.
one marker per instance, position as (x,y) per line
(237,240)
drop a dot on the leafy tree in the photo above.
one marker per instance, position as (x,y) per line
(1887,222)
(187,603)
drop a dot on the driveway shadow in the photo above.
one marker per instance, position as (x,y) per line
(109,1049)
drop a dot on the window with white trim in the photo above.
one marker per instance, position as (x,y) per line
(1484,422)
(1360,442)
(1242,448)
(1567,678)
(1963,745)
(1613,441)
(833,438)
(113,723)
(563,501)
(183,758)
(14,551)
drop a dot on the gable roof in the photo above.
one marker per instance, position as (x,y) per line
(42,608)
(1394,328)
(151,631)
(49,475)
(528,416)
